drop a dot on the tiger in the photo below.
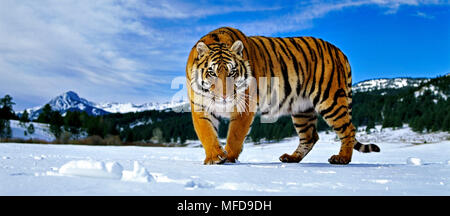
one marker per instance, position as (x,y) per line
(313,78)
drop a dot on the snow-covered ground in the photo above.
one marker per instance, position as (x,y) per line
(401,168)
(402,135)
(41,131)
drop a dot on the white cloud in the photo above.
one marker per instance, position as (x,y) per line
(424,15)
(125,50)
(305,13)
(48,46)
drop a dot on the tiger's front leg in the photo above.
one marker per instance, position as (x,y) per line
(237,131)
(206,126)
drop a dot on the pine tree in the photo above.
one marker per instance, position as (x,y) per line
(46,114)
(427,120)
(388,121)
(397,122)
(446,123)
(56,122)
(25,118)
(72,122)
(6,108)
(370,125)
(30,129)
(5,129)
(419,125)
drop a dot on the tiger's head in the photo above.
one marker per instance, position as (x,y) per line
(221,76)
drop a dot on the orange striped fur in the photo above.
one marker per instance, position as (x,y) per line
(228,73)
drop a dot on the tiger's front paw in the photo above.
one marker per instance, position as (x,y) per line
(218,157)
(287,158)
(339,159)
(231,160)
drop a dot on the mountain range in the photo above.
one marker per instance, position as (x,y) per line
(71,101)
(387,83)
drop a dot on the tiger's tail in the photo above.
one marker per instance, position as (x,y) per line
(366,148)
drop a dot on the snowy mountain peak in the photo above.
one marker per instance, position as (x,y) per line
(71,101)
(71,96)
(68,101)
(385,83)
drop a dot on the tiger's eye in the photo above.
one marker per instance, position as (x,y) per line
(210,72)
(232,72)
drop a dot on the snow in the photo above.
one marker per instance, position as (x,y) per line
(414,161)
(401,168)
(433,89)
(383,83)
(41,131)
(129,107)
(400,135)
(139,174)
(94,169)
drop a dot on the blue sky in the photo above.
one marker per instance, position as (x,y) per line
(130,51)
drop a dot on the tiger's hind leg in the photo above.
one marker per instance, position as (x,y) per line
(305,125)
(338,116)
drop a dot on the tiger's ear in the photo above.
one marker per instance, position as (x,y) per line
(202,49)
(237,47)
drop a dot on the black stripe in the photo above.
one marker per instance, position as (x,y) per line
(301,116)
(298,47)
(239,38)
(300,125)
(255,44)
(309,71)
(268,54)
(307,128)
(341,116)
(339,70)
(284,71)
(366,148)
(312,118)
(374,148)
(292,40)
(287,85)
(345,137)
(343,127)
(200,105)
(290,103)
(214,116)
(205,118)
(277,40)
(233,35)
(313,72)
(215,37)
(272,45)
(295,62)
(339,93)
(309,113)
(319,86)
(256,49)
(309,141)
(326,93)
(271,67)
(309,110)
(335,112)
